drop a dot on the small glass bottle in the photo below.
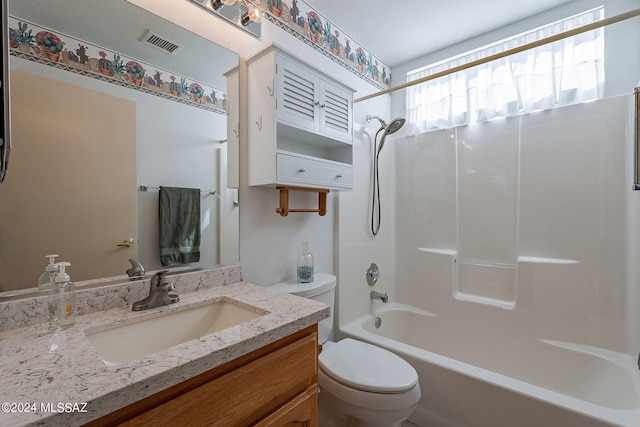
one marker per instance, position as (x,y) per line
(305,264)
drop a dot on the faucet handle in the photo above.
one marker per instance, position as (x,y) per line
(159,278)
(136,270)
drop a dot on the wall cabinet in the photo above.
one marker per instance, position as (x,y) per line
(272,386)
(300,124)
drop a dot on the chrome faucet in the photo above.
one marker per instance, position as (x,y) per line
(378,295)
(158,293)
(136,271)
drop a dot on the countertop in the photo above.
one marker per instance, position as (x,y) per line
(59,379)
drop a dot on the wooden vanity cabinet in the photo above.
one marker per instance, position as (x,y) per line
(276,385)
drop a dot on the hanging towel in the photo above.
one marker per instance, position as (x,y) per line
(179,225)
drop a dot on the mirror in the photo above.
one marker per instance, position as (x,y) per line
(154,135)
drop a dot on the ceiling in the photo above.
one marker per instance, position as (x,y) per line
(396,31)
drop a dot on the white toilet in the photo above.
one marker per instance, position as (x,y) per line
(360,384)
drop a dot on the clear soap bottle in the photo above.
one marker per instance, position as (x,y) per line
(46,278)
(62,300)
(305,264)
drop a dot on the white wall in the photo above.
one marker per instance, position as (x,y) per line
(270,243)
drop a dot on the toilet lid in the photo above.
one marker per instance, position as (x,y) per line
(366,367)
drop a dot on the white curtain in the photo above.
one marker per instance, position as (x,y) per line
(561,73)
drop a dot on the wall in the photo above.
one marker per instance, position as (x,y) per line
(164,130)
(270,243)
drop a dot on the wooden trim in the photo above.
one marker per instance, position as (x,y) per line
(284,210)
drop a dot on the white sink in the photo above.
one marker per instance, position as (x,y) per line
(149,335)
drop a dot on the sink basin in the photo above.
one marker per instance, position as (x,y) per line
(152,334)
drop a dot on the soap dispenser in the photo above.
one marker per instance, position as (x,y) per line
(46,278)
(305,264)
(62,300)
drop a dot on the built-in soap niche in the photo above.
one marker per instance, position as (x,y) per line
(497,284)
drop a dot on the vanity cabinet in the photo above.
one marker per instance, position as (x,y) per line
(300,124)
(275,385)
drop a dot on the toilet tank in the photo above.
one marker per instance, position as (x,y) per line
(323,289)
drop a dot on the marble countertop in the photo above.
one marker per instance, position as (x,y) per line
(59,379)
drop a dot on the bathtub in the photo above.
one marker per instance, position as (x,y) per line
(471,380)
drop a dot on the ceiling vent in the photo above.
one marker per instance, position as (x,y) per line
(160,42)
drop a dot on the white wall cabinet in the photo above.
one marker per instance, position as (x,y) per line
(300,124)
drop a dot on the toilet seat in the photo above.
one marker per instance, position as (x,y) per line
(365,367)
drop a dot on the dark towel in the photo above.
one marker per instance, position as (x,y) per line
(179,225)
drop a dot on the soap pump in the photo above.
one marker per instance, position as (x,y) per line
(46,278)
(62,300)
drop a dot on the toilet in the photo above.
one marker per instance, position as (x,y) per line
(360,384)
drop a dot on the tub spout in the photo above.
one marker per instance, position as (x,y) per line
(378,295)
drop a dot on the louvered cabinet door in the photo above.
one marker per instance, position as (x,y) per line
(298,95)
(336,113)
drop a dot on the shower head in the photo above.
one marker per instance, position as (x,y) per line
(392,127)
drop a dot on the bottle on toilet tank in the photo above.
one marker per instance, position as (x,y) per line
(305,264)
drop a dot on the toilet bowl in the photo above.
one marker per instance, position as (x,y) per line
(360,384)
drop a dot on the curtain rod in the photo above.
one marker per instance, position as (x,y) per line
(537,43)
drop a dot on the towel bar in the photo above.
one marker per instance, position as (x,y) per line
(284,210)
(145,188)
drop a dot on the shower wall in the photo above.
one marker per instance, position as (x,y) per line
(526,220)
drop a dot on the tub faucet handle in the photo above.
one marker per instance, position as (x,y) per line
(373,273)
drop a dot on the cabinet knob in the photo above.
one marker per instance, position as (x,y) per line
(302,170)
(339,175)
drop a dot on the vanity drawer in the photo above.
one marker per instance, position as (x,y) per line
(292,169)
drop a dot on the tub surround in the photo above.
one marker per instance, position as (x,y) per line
(41,368)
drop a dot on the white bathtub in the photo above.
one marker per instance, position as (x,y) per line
(473,380)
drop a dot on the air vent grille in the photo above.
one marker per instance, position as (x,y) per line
(160,42)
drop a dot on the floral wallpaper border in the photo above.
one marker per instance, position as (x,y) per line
(308,25)
(47,47)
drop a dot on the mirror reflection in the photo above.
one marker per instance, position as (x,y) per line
(101,119)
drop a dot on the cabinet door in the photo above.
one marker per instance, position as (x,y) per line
(336,113)
(298,96)
(301,411)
